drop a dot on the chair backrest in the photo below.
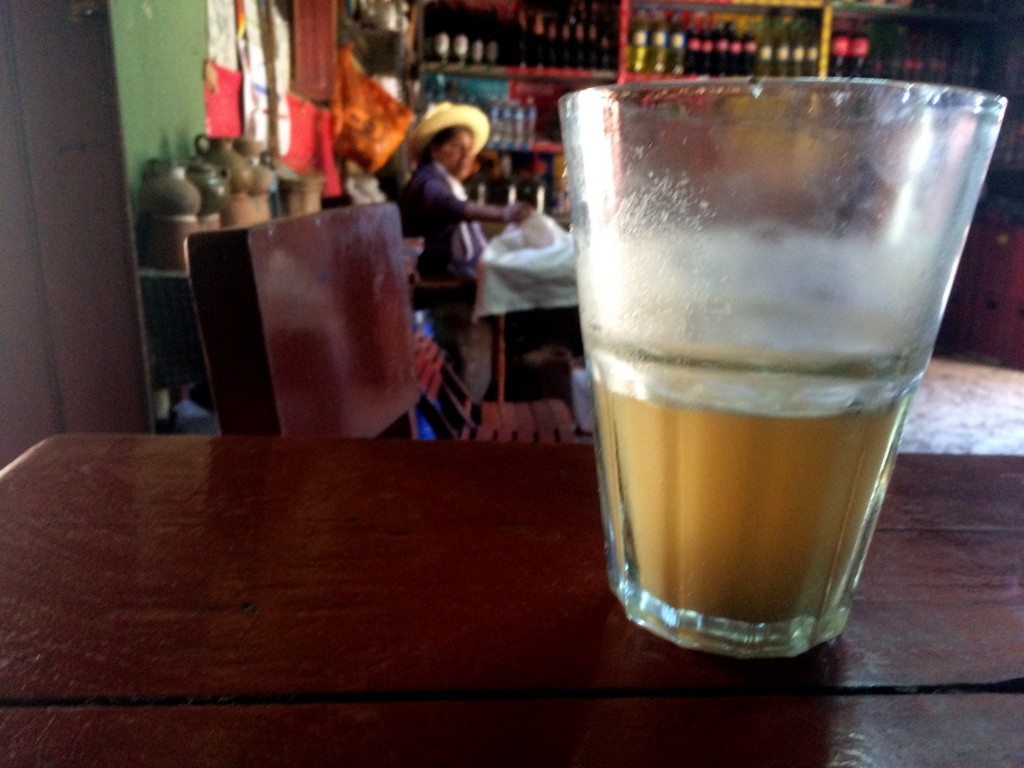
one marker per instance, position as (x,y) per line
(306,324)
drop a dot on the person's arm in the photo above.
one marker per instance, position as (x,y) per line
(512,213)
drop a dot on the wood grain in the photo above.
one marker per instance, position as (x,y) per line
(303,597)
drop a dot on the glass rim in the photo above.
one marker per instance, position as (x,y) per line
(938,95)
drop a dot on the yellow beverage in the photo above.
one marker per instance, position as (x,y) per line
(752,519)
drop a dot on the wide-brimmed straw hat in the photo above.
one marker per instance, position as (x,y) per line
(448,115)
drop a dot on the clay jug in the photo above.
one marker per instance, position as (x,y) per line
(212,182)
(220,152)
(248,147)
(302,194)
(166,191)
(240,211)
(263,182)
(165,241)
(262,175)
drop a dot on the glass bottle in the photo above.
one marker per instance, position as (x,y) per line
(783,48)
(798,47)
(812,48)
(657,58)
(840,53)
(765,46)
(677,47)
(639,42)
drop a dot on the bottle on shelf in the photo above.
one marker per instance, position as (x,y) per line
(840,53)
(707,45)
(717,50)
(860,47)
(783,47)
(639,42)
(749,42)
(593,44)
(766,38)
(536,40)
(658,49)
(937,53)
(501,189)
(479,28)
(494,115)
(694,63)
(734,60)
(441,39)
(550,55)
(530,185)
(459,31)
(797,47)
(566,36)
(812,42)
(518,124)
(522,38)
(677,47)
(608,50)
(698,45)
(495,39)
(579,40)
(530,121)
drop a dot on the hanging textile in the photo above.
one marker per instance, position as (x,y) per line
(221,33)
(222,91)
(253,58)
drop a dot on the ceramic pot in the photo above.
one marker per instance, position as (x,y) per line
(219,151)
(248,147)
(261,206)
(212,183)
(239,212)
(166,191)
(209,221)
(166,241)
(262,179)
(302,194)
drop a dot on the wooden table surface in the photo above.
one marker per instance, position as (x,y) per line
(284,601)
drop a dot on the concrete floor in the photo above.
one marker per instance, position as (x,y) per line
(968,408)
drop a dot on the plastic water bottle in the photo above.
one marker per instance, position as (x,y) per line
(506,120)
(494,115)
(518,124)
(531,121)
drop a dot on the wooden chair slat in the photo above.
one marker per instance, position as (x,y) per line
(450,404)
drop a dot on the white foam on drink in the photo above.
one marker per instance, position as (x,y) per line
(758,289)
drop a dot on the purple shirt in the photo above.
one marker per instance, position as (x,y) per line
(432,211)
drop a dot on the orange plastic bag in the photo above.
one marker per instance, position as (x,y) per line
(368,123)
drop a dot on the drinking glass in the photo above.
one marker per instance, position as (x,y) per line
(762,268)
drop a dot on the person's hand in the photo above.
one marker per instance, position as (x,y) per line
(516,213)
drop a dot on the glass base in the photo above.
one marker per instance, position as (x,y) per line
(729,637)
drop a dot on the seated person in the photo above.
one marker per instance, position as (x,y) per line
(435,205)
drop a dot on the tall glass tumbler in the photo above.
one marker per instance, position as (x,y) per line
(762,269)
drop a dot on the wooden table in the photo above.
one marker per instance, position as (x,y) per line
(280,601)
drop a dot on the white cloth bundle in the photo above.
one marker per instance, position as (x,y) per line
(528,266)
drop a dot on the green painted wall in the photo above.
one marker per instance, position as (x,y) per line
(159,48)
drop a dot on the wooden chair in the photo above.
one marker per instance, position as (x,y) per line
(451,412)
(306,324)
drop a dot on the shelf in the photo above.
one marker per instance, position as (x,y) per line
(650,77)
(742,5)
(541,147)
(547,74)
(890,12)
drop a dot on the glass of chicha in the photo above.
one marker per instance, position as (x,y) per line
(762,269)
